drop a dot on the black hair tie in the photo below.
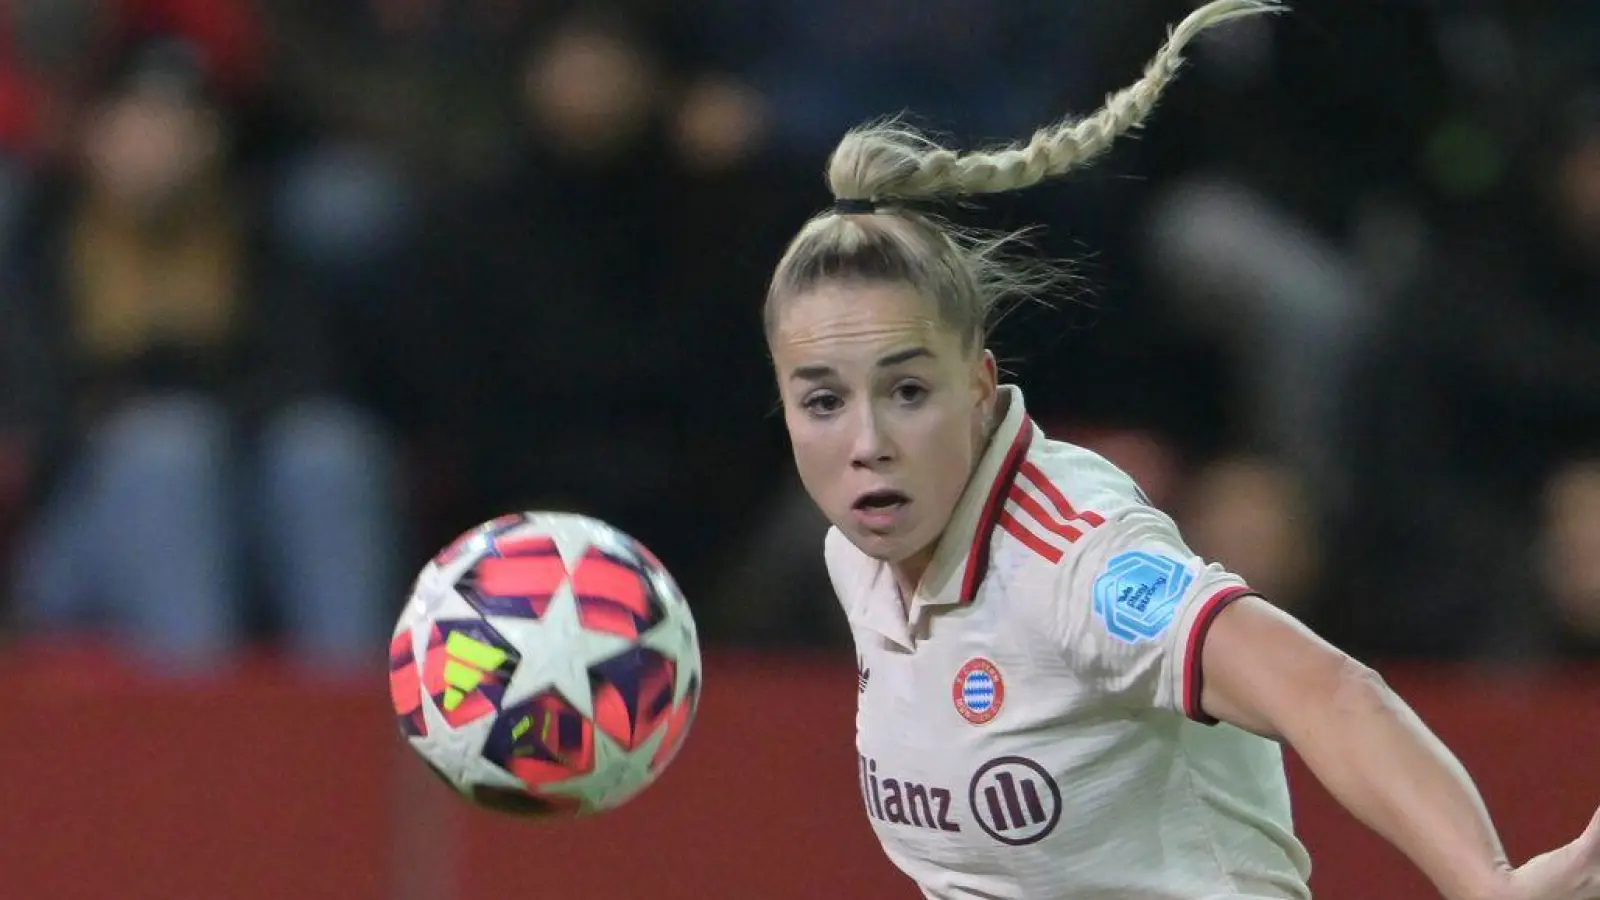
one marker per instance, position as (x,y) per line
(847,206)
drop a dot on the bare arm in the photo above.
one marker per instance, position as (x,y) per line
(1266,673)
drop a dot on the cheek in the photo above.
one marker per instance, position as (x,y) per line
(815,452)
(947,454)
(956,465)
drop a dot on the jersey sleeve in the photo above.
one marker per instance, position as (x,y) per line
(1132,610)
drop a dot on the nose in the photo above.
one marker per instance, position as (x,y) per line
(872,447)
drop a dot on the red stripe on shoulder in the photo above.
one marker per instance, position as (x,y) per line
(1030,540)
(1039,514)
(1193,674)
(1057,499)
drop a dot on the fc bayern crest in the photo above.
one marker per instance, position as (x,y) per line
(978,691)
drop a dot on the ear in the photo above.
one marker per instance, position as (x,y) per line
(986,379)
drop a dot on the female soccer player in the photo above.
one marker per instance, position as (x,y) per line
(1043,663)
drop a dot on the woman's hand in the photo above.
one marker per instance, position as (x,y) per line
(1571,872)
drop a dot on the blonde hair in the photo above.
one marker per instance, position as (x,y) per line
(878,167)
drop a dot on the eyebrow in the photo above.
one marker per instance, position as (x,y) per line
(819,372)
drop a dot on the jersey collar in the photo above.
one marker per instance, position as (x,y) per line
(962,557)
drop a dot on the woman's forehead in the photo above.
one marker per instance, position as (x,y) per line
(859,314)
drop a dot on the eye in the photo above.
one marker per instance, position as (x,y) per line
(910,393)
(822,403)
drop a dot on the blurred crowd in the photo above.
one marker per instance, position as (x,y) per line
(293,292)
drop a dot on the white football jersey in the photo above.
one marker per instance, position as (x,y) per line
(1033,732)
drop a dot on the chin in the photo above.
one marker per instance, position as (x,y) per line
(888,548)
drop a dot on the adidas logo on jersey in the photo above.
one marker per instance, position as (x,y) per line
(904,802)
(862,674)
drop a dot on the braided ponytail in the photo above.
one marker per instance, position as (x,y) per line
(879,165)
(887,161)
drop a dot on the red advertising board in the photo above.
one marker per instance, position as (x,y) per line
(267,786)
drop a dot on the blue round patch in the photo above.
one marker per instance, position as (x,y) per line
(1138,594)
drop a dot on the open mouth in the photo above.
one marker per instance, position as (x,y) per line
(874,501)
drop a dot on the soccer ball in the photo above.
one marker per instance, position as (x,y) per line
(546,664)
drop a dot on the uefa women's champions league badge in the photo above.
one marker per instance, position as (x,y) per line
(1138,594)
(978,691)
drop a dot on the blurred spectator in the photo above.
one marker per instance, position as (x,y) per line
(553,369)
(797,73)
(1484,395)
(1255,516)
(50,50)
(190,442)
(1570,559)
(1288,143)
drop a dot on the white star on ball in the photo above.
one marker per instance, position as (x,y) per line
(573,536)
(557,651)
